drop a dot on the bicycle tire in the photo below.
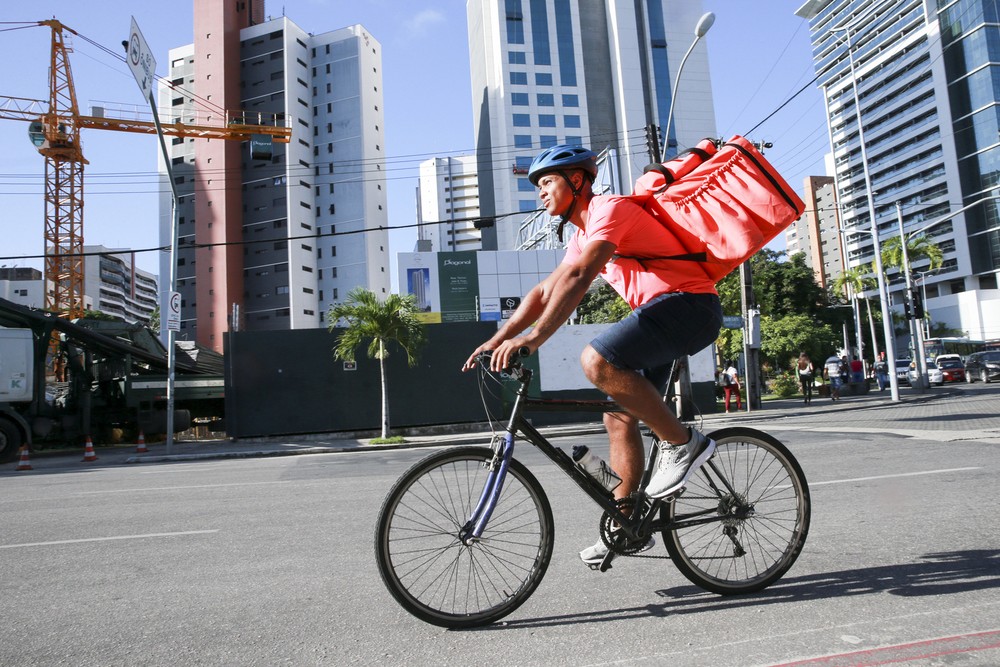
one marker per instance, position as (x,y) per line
(436,577)
(764,474)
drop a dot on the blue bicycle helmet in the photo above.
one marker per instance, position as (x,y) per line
(562,157)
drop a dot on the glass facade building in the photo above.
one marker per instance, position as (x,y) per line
(926,80)
(590,72)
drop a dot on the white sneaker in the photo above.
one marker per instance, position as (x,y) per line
(595,555)
(676,464)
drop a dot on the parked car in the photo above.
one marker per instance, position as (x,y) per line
(983,366)
(934,374)
(903,371)
(952,368)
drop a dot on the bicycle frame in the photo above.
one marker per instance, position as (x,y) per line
(503,446)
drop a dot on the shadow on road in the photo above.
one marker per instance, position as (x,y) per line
(934,574)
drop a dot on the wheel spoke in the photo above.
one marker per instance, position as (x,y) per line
(436,576)
(767,518)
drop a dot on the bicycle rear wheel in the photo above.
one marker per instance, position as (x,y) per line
(762,528)
(428,569)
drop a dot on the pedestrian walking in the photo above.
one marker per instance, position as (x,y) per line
(804,374)
(882,371)
(831,371)
(732,377)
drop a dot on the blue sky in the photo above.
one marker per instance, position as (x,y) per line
(759,55)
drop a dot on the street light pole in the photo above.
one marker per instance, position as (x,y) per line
(700,30)
(890,343)
(918,339)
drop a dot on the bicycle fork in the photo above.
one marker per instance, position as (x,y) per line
(503,449)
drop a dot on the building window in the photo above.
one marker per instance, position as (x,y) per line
(515,22)
(571,100)
(543,79)
(546,100)
(571,121)
(519,99)
(546,120)
(522,120)
(522,141)
(519,78)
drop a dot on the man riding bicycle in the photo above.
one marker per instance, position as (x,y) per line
(675,312)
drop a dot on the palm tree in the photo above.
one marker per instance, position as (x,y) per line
(378,323)
(917,248)
(854,282)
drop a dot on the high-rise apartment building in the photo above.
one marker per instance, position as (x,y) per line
(448,204)
(929,97)
(815,233)
(276,241)
(114,285)
(591,72)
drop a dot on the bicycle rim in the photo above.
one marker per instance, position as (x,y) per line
(761,530)
(436,577)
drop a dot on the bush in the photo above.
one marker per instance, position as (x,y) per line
(784,385)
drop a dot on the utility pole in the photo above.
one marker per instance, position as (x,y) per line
(751,338)
(653,143)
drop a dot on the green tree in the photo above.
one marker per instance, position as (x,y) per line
(379,324)
(917,248)
(779,287)
(782,339)
(857,281)
(602,305)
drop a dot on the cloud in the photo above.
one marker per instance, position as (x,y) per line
(424,20)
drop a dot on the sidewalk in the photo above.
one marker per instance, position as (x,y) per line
(874,410)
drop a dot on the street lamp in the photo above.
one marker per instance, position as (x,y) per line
(887,328)
(890,343)
(700,30)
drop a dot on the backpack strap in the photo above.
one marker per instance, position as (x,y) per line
(668,177)
(685,257)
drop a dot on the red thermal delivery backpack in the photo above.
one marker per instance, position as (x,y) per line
(722,203)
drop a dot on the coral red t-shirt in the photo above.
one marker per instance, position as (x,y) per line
(623,222)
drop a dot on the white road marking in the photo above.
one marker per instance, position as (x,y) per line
(902,474)
(106,539)
(178,488)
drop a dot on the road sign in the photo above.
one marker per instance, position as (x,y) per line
(141,61)
(174,312)
(732,322)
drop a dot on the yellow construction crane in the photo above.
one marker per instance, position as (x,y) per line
(55,130)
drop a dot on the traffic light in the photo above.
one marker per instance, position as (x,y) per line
(918,305)
(906,309)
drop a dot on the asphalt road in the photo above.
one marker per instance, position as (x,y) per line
(269,561)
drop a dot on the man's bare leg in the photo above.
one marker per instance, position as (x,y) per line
(636,394)
(627,454)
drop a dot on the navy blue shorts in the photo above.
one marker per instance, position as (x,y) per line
(666,328)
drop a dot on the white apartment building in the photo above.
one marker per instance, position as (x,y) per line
(929,98)
(448,204)
(588,72)
(114,285)
(23,285)
(306,222)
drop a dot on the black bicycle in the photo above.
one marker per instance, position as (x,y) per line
(465,536)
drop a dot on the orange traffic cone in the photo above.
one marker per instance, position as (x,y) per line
(25,462)
(140,446)
(88,452)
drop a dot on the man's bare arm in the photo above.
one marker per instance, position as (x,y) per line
(561,296)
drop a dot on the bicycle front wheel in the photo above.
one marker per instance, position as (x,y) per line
(431,572)
(762,523)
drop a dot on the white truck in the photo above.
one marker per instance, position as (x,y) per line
(114,386)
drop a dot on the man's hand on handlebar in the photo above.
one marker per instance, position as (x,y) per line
(500,356)
(508,351)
